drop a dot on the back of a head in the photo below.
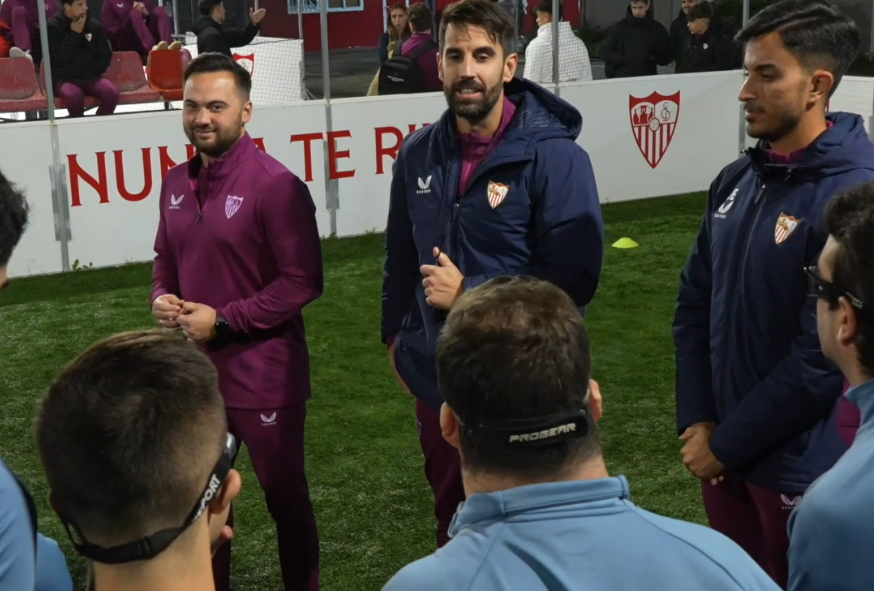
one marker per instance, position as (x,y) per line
(514,354)
(419,15)
(128,436)
(545,6)
(485,14)
(815,32)
(14,212)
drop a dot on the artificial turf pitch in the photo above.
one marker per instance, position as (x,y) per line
(372,502)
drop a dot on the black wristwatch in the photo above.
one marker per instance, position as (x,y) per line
(222,328)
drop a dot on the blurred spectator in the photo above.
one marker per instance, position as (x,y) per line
(397,32)
(680,36)
(134,442)
(79,55)
(636,45)
(19,28)
(419,19)
(542,512)
(210,31)
(573,56)
(137,25)
(708,49)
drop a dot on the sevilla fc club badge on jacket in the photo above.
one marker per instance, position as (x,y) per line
(497,193)
(232,205)
(247,61)
(785,225)
(653,122)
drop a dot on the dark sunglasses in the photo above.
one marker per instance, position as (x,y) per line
(150,546)
(820,288)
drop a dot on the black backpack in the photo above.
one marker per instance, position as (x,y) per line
(402,75)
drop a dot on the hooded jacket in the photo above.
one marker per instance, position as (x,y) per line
(747,351)
(547,224)
(212,37)
(77,56)
(636,46)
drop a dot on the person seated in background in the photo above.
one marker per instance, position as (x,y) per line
(542,512)
(19,28)
(708,50)
(79,55)
(831,530)
(419,20)
(397,32)
(134,442)
(573,56)
(137,25)
(636,45)
(210,31)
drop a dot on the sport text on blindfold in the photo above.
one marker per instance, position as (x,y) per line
(150,546)
(529,433)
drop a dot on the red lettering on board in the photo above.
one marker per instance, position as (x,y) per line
(307,139)
(147,176)
(334,154)
(99,184)
(390,151)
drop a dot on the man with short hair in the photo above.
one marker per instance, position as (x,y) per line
(636,45)
(573,57)
(542,511)
(709,50)
(485,191)
(212,36)
(133,439)
(238,257)
(831,530)
(756,398)
(421,43)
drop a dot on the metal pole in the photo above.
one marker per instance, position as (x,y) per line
(385,15)
(331,196)
(303,65)
(556,16)
(746,12)
(176,17)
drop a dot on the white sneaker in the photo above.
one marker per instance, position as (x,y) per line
(16,52)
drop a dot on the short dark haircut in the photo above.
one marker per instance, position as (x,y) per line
(207,63)
(488,15)
(419,15)
(14,212)
(849,219)
(699,11)
(516,348)
(545,6)
(815,32)
(129,434)
(207,6)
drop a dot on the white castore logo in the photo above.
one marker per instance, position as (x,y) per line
(175,201)
(424,186)
(267,421)
(723,209)
(788,503)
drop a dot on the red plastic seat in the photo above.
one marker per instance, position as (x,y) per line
(19,89)
(165,71)
(126,72)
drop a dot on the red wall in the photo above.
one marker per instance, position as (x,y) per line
(361,28)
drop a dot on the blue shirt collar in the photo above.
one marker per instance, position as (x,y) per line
(491,506)
(863,396)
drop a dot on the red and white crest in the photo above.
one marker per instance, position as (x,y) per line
(497,193)
(653,121)
(785,225)
(247,61)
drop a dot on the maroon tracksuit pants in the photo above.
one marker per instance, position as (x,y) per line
(442,469)
(141,33)
(275,440)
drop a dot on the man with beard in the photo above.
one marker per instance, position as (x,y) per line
(497,186)
(238,257)
(756,398)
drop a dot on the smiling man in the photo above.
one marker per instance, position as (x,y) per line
(238,258)
(756,397)
(498,186)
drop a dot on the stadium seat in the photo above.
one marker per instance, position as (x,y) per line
(165,70)
(90,102)
(19,89)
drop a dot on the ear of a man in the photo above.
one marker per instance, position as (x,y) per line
(220,507)
(449,426)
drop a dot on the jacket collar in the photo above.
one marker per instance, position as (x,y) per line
(536,497)
(219,167)
(863,396)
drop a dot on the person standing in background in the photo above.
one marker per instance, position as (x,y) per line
(636,45)
(212,37)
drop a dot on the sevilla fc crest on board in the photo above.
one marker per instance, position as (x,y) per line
(785,225)
(247,61)
(232,205)
(653,122)
(497,193)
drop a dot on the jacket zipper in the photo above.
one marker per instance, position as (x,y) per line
(758,202)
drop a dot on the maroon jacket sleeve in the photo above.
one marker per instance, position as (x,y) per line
(165,276)
(288,216)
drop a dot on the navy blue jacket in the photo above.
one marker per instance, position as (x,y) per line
(549,225)
(747,351)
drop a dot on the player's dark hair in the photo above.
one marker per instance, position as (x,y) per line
(545,6)
(419,15)
(129,433)
(700,10)
(207,6)
(815,32)
(13,218)
(208,63)
(849,218)
(516,348)
(488,15)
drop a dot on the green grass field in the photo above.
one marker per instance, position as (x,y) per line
(372,502)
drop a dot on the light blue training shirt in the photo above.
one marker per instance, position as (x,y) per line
(578,536)
(831,531)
